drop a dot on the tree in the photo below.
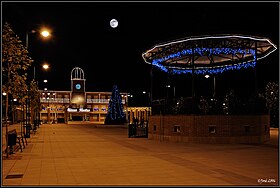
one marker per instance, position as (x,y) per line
(272,102)
(230,103)
(34,100)
(15,63)
(115,114)
(203,105)
(178,105)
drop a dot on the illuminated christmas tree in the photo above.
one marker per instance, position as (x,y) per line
(115,114)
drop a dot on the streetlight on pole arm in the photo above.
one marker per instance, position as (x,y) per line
(45,33)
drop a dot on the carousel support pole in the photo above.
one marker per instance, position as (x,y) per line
(214,85)
(256,110)
(193,87)
(151,89)
(255,71)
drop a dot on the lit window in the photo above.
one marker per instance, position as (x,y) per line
(212,129)
(177,128)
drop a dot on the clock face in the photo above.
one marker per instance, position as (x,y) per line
(78,86)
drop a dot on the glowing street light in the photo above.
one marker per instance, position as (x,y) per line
(45,81)
(214,83)
(45,33)
(46,66)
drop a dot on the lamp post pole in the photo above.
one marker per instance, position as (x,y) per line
(6,121)
(45,34)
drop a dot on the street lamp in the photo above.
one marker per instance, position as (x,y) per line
(214,83)
(46,66)
(207,76)
(6,122)
(45,34)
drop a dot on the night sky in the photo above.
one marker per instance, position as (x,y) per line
(82,37)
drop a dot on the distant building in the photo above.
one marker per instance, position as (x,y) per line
(81,105)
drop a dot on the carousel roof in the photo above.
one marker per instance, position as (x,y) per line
(209,54)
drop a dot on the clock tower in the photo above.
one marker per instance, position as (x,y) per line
(78,87)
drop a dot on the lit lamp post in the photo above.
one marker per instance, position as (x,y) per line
(6,121)
(147,97)
(45,34)
(46,66)
(214,84)
(54,119)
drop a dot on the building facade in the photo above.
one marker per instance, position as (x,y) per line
(57,107)
(77,104)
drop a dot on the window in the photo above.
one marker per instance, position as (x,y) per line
(212,129)
(177,128)
(247,129)
(155,127)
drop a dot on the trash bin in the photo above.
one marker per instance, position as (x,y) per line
(12,138)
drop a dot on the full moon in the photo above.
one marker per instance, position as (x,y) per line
(114,23)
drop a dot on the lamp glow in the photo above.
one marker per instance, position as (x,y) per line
(45,33)
(45,66)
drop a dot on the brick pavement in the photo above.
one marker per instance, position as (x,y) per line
(61,154)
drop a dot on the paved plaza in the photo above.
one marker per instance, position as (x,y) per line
(94,155)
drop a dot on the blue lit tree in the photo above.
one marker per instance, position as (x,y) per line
(115,114)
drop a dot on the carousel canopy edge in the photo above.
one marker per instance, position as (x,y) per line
(219,48)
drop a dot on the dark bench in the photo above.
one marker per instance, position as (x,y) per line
(22,138)
(13,140)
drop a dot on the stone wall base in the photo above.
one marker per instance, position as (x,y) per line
(212,140)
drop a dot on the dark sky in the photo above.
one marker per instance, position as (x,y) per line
(82,37)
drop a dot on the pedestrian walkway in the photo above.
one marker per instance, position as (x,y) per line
(84,154)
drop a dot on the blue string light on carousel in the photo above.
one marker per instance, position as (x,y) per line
(209,52)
